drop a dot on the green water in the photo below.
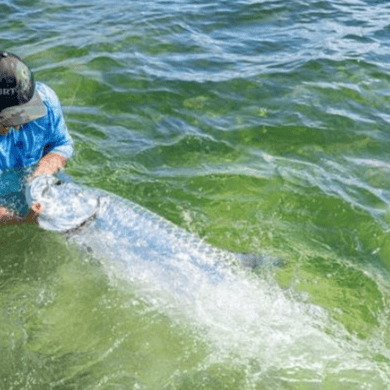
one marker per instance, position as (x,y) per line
(260,126)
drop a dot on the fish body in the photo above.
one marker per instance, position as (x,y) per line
(116,229)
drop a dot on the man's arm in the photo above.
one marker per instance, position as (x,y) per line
(49,164)
(59,147)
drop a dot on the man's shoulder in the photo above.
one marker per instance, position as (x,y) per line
(47,95)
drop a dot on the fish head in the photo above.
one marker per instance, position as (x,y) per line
(66,206)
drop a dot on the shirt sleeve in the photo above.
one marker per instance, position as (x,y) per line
(60,140)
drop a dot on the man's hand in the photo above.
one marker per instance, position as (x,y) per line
(8,217)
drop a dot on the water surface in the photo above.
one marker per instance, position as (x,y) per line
(261,126)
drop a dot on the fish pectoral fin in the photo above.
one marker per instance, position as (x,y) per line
(257,260)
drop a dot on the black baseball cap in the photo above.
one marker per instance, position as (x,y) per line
(20,102)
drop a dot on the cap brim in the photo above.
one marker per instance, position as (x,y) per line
(24,113)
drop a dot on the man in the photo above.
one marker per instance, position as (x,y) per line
(32,134)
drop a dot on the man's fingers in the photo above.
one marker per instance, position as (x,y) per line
(37,208)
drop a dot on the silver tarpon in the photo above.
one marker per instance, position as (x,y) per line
(114,228)
(181,275)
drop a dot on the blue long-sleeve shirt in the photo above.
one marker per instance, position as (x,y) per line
(23,148)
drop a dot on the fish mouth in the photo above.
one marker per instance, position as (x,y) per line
(83,224)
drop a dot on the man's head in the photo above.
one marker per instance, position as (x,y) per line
(19,100)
